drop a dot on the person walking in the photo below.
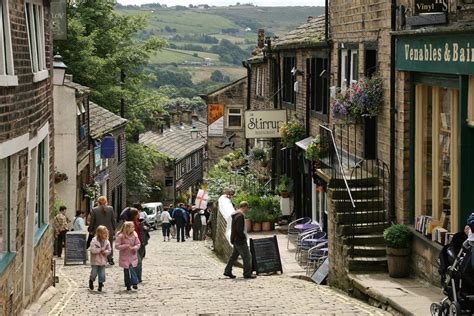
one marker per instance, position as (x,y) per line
(127,244)
(189,224)
(78,224)
(201,217)
(180,217)
(172,222)
(196,225)
(100,249)
(104,214)
(165,224)
(61,227)
(143,237)
(238,238)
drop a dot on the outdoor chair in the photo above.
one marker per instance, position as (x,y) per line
(293,232)
(309,241)
(316,256)
(302,235)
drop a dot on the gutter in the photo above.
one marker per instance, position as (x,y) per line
(246,65)
(393,112)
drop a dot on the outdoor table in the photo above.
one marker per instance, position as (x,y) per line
(305,227)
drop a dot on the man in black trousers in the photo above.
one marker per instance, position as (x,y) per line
(238,238)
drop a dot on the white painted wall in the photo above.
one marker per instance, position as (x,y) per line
(65,145)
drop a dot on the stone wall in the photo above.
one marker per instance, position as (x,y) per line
(222,247)
(24,109)
(424,259)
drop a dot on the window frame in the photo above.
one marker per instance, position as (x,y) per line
(229,114)
(34,15)
(346,67)
(288,81)
(318,90)
(260,82)
(7,66)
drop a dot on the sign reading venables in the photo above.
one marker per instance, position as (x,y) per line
(430,6)
(444,54)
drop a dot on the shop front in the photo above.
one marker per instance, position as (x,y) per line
(440,68)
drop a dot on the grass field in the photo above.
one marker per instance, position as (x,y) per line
(204,73)
(167,56)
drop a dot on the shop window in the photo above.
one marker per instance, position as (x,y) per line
(318,82)
(289,80)
(34,13)
(349,68)
(234,118)
(40,185)
(7,72)
(436,158)
(370,62)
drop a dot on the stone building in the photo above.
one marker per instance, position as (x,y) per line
(433,49)
(108,158)
(26,153)
(225,129)
(182,145)
(71,121)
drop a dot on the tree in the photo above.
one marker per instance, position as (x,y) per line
(217,76)
(102,43)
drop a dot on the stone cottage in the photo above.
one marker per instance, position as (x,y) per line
(26,153)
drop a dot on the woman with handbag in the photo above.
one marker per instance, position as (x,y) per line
(127,243)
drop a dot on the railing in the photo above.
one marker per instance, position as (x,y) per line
(331,158)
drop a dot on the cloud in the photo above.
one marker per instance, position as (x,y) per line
(263,3)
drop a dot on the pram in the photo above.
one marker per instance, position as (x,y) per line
(457,278)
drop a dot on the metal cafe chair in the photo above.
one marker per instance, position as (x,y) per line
(309,241)
(300,237)
(293,232)
(316,256)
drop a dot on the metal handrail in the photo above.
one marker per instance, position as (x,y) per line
(340,163)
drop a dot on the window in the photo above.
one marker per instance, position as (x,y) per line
(370,62)
(260,84)
(40,186)
(349,68)
(289,95)
(318,85)
(119,148)
(5,206)
(168,181)
(234,118)
(7,72)
(34,13)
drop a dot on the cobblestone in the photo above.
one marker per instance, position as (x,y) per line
(186,278)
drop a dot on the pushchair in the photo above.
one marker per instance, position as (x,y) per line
(457,278)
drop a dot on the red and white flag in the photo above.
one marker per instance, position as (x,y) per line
(201,199)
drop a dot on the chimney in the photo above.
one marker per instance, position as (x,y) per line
(310,18)
(260,38)
(161,128)
(195,117)
(167,119)
(187,118)
(68,77)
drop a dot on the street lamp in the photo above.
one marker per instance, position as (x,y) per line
(59,70)
(194,133)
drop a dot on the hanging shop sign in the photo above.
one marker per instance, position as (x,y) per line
(264,124)
(430,6)
(449,54)
(215,119)
(107,147)
(59,18)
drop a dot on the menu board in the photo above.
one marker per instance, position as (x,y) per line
(75,249)
(321,274)
(265,255)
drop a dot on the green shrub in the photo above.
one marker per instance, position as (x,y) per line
(259,153)
(398,236)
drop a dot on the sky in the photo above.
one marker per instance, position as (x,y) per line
(262,3)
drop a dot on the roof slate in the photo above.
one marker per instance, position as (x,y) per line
(306,35)
(103,121)
(176,141)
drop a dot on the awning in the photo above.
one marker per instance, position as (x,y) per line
(303,144)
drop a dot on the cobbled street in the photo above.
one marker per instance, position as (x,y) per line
(186,278)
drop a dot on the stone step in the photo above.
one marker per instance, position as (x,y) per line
(363,228)
(357,193)
(361,217)
(360,264)
(346,205)
(365,240)
(366,251)
(354,183)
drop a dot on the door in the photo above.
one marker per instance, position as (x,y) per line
(436,153)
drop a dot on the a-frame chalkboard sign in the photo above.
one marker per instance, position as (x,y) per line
(265,255)
(75,248)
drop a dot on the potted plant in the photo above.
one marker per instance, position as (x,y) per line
(259,154)
(398,238)
(313,151)
(256,216)
(291,132)
(284,186)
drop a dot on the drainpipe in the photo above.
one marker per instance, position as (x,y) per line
(249,89)
(393,112)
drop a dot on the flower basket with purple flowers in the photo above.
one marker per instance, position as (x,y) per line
(362,99)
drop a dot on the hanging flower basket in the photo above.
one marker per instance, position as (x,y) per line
(291,132)
(91,191)
(313,151)
(362,99)
(60,177)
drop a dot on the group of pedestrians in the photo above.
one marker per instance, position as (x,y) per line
(178,222)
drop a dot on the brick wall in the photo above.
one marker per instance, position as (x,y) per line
(24,109)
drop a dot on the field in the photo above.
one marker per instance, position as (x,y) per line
(204,73)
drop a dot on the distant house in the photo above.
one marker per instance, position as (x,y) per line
(183,142)
(108,167)
(71,121)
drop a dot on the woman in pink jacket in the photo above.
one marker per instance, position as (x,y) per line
(127,243)
(100,249)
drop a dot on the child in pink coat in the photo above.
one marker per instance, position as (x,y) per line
(100,249)
(127,243)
